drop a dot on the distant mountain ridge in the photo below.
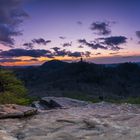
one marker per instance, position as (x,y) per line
(55,63)
(81,79)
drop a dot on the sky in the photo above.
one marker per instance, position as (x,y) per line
(100,31)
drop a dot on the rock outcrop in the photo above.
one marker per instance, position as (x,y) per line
(55,102)
(16,111)
(100,121)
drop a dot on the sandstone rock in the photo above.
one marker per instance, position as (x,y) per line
(57,102)
(15,111)
(100,121)
(5,136)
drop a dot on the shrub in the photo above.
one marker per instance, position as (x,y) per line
(12,90)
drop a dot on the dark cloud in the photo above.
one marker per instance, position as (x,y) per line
(82,41)
(61,53)
(79,23)
(74,54)
(113,53)
(80,46)
(7,34)
(79,54)
(34,59)
(36,53)
(24,52)
(113,42)
(48,41)
(62,37)
(115,48)
(92,45)
(132,57)
(11,15)
(101,28)
(41,41)
(138,35)
(28,45)
(87,54)
(67,44)
(55,49)
(98,46)
(98,54)
(9,60)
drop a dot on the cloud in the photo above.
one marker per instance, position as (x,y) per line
(11,15)
(36,53)
(114,53)
(62,37)
(80,46)
(98,54)
(108,43)
(61,53)
(79,23)
(87,54)
(34,59)
(82,41)
(41,41)
(113,42)
(98,46)
(101,28)
(67,44)
(138,34)
(92,45)
(6,35)
(29,60)
(9,60)
(74,54)
(23,52)
(55,49)
(79,54)
(28,45)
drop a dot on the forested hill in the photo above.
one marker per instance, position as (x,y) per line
(82,79)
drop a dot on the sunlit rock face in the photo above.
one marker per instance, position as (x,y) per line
(16,111)
(100,121)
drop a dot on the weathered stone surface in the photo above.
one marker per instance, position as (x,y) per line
(101,121)
(54,102)
(5,136)
(15,111)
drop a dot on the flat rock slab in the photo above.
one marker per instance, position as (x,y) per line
(15,111)
(5,136)
(100,121)
(58,102)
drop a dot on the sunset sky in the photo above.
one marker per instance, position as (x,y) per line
(100,31)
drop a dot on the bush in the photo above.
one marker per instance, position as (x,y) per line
(12,90)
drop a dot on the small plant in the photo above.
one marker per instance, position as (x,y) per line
(12,90)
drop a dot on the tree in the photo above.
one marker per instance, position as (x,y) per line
(12,90)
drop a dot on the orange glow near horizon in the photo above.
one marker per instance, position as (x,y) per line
(97,56)
(27,61)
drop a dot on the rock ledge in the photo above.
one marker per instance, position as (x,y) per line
(15,111)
